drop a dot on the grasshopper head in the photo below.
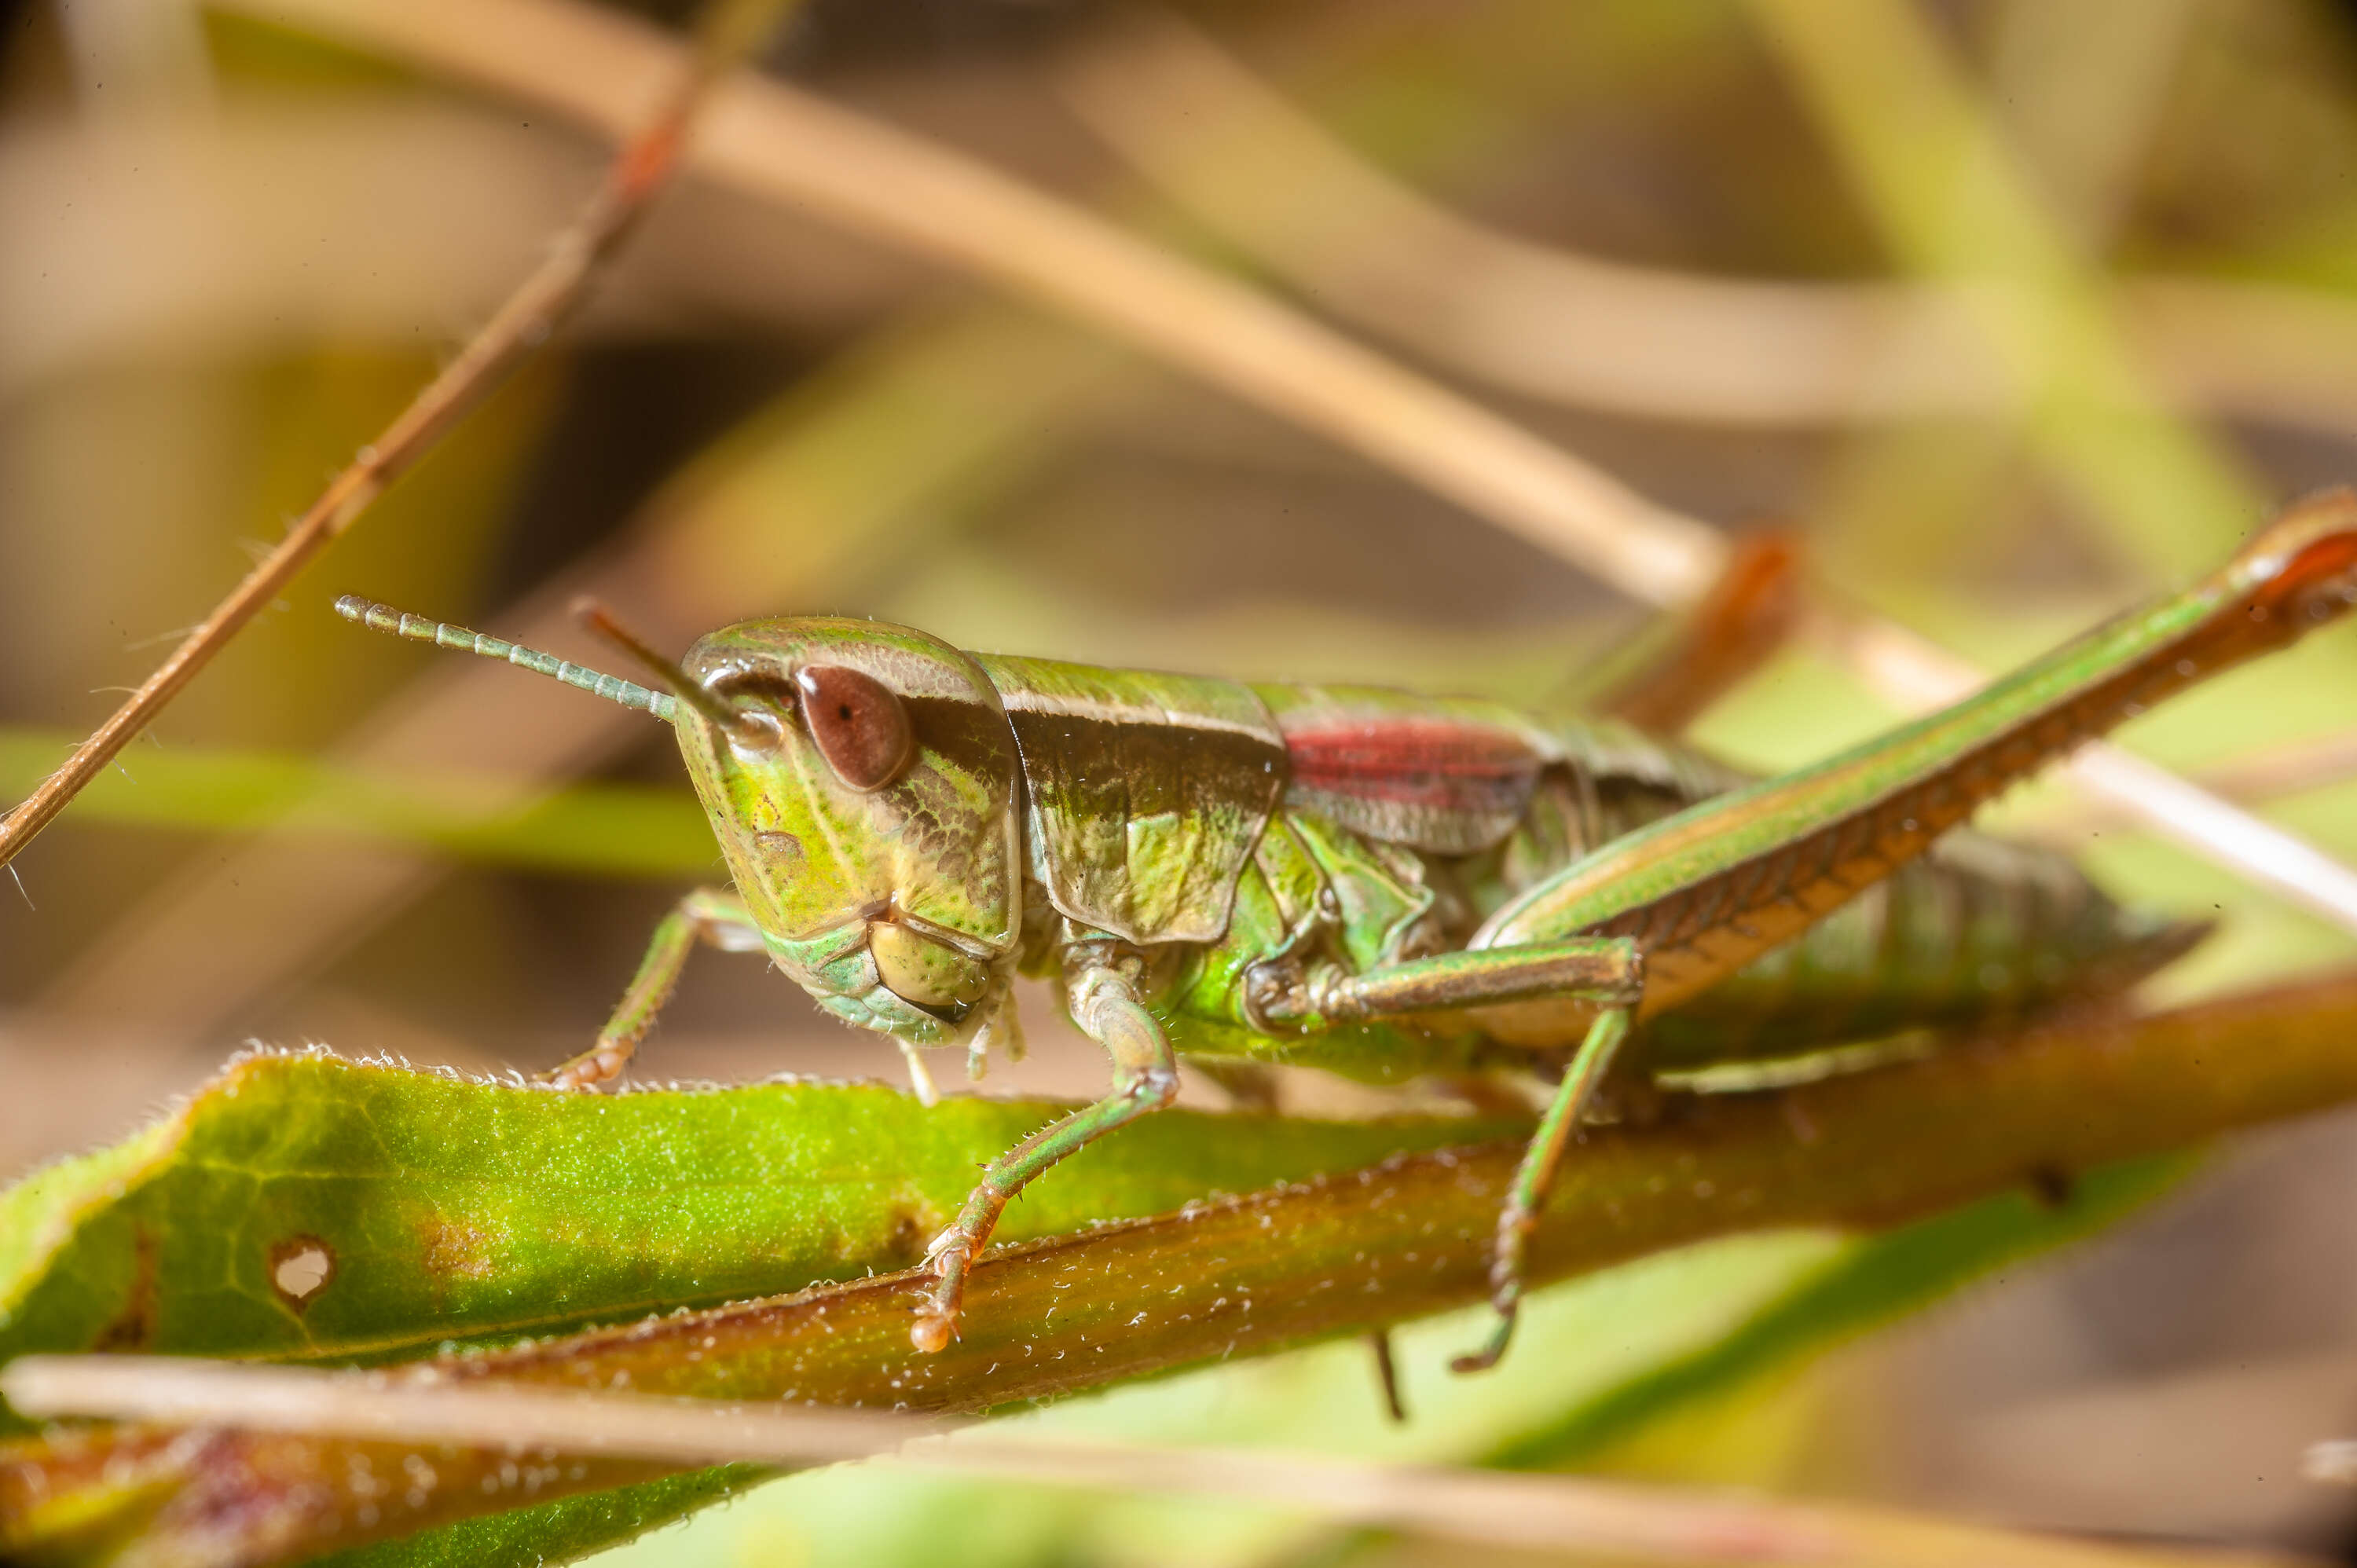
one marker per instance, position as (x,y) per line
(861,781)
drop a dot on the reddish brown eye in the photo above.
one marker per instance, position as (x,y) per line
(860,726)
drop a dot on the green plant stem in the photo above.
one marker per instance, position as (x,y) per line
(603,829)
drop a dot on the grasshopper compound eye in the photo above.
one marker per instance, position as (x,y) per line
(859,725)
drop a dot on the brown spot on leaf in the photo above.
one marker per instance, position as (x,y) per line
(450,1249)
(300,1268)
(134,1326)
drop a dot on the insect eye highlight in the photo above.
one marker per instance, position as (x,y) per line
(858,723)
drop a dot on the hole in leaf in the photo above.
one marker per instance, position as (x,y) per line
(300,1268)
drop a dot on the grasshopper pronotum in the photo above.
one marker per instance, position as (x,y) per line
(1377,883)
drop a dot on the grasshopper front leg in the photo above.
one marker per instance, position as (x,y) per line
(708,914)
(1101,991)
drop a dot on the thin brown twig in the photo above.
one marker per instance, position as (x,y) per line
(640,172)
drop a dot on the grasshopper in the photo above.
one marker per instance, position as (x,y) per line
(1377,883)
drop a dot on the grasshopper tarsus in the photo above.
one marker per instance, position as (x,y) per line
(600,1064)
(931,1331)
(1494,1351)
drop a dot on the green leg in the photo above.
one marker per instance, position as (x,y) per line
(1608,973)
(1536,1175)
(708,914)
(1106,1004)
(1604,969)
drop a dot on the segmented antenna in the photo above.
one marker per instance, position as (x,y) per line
(443,634)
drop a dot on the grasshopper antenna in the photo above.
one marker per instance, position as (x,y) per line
(443,634)
(737,721)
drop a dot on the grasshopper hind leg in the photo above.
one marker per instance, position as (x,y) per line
(1535,1176)
(1602,976)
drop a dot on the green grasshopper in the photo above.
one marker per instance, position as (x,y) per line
(1376,883)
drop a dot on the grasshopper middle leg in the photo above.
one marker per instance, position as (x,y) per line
(708,914)
(1103,999)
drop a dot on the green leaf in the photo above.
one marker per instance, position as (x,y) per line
(447,1211)
(1608,1357)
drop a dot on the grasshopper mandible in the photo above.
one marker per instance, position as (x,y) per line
(1377,882)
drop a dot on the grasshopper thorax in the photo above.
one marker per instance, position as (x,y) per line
(863,789)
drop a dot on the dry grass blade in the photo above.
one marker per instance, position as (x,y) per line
(1580,329)
(522,322)
(2286,769)
(2332,1463)
(1529,1512)
(793,147)
(787,146)
(2291,768)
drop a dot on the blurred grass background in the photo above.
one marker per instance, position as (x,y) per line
(230,248)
